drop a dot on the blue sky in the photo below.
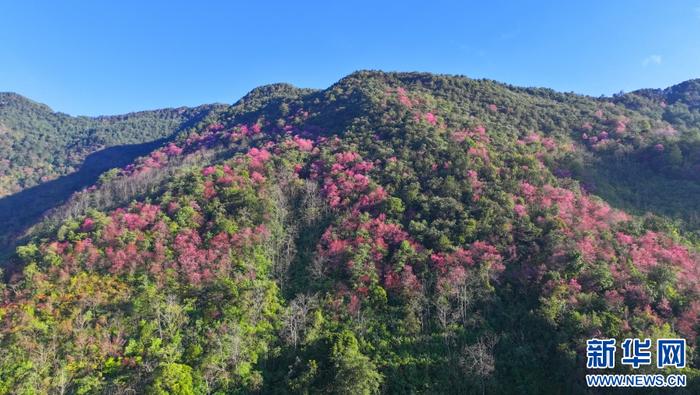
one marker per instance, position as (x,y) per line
(103,57)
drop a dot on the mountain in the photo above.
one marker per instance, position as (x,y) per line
(393,233)
(38,144)
(686,93)
(46,156)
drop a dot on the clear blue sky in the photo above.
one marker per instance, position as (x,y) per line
(109,57)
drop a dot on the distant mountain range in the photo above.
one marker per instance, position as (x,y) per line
(393,233)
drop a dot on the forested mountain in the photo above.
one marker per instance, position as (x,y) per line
(394,233)
(46,156)
(38,144)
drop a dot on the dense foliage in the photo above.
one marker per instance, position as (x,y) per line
(394,233)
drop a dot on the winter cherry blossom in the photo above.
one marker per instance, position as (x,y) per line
(88,224)
(303,144)
(209,170)
(403,97)
(477,186)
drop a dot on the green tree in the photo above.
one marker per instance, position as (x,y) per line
(354,372)
(173,379)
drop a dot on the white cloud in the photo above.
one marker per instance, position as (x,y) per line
(652,59)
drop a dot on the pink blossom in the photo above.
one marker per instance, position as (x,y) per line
(209,170)
(257,177)
(303,144)
(258,157)
(624,239)
(620,126)
(528,190)
(403,97)
(477,186)
(88,224)
(215,127)
(346,157)
(574,286)
(533,138)
(549,143)
(173,150)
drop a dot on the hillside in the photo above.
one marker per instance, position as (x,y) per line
(393,233)
(46,156)
(39,145)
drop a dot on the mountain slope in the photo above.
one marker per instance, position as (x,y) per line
(396,232)
(46,156)
(38,144)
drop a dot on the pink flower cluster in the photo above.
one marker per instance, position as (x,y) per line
(363,249)
(151,247)
(346,183)
(477,186)
(478,134)
(303,144)
(403,97)
(454,267)
(258,157)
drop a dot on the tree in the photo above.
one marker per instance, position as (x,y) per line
(478,360)
(355,373)
(297,318)
(173,379)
